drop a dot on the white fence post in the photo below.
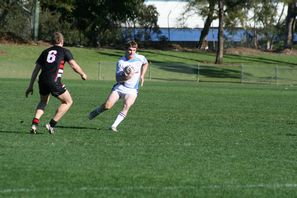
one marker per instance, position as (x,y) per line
(198,72)
(276,74)
(150,74)
(241,73)
(99,71)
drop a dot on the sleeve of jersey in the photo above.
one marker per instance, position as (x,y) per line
(40,59)
(119,72)
(143,59)
(119,69)
(68,55)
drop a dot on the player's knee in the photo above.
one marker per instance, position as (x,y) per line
(107,106)
(127,106)
(70,102)
(41,105)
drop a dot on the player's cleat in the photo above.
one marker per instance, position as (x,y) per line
(50,129)
(33,129)
(114,129)
(93,114)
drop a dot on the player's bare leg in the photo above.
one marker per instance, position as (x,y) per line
(110,101)
(39,112)
(66,102)
(129,100)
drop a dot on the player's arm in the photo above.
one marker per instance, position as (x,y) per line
(78,69)
(143,71)
(33,78)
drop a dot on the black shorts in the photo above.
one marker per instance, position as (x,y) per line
(55,88)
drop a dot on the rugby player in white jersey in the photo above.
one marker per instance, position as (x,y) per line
(130,69)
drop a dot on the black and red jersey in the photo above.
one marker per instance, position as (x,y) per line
(52,62)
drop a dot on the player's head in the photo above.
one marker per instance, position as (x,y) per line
(58,38)
(131,44)
(131,48)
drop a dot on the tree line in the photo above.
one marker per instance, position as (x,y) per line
(260,17)
(83,22)
(101,22)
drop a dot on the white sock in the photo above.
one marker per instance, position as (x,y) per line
(119,119)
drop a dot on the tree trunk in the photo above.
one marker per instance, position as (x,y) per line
(220,51)
(268,44)
(290,22)
(36,20)
(204,33)
(255,39)
(206,26)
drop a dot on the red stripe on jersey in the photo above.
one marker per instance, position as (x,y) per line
(61,66)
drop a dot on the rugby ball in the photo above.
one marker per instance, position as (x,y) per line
(128,69)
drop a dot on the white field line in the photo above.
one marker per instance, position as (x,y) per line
(167,188)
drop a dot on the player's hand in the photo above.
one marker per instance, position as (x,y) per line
(28,91)
(84,76)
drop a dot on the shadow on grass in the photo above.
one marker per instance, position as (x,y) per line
(175,56)
(214,71)
(261,60)
(237,58)
(291,134)
(117,55)
(78,127)
(27,132)
(23,132)
(18,132)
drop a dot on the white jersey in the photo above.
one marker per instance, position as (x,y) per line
(136,63)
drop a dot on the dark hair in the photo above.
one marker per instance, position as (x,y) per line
(57,38)
(131,44)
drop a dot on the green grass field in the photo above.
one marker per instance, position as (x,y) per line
(180,139)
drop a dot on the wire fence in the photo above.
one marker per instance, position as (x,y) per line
(200,72)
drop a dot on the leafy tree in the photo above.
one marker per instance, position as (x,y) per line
(234,14)
(89,22)
(227,7)
(15,18)
(58,16)
(266,21)
(147,19)
(290,23)
(228,12)
(99,18)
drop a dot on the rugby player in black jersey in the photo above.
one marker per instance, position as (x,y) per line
(51,64)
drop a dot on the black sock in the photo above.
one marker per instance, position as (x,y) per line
(53,123)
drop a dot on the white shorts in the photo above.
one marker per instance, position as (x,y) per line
(122,90)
